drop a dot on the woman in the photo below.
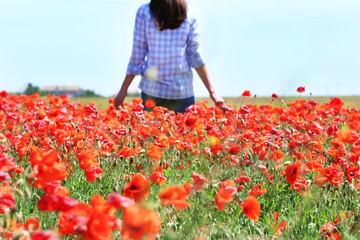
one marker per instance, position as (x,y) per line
(165,48)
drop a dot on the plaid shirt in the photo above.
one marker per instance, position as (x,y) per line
(164,58)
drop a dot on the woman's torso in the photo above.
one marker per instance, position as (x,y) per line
(167,73)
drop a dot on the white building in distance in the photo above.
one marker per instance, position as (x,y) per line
(69,90)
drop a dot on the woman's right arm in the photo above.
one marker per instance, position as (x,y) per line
(119,99)
(140,47)
(138,54)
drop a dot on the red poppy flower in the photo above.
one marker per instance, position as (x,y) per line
(199,181)
(336,102)
(245,109)
(293,171)
(162,141)
(175,196)
(118,201)
(70,220)
(251,208)
(32,224)
(4,94)
(44,235)
(139,222)
(98,227)
(329,232)
(87,158)
(90,109)
(352,173)
(56,188)
(216,149)
(274,215)
(241,180)
(4,176)
(7,164)
(50,169)
(257,190)
(280,229)
(274,95)
(154,152)
(300,89)
(158,178)
(333,130)
(7,200)
(92,173)
(125,152)
(277,155)
(313,166)
(137,101)
(233,148)
(138,188)
(36,155)
(246,93)
(187,187)
(329,174)
(54,202)
(150,103)
(300,185)
(227,184)
(158,111)
(224,196)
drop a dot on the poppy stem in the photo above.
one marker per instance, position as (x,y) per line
(252,103)
(271,101)
(242,99)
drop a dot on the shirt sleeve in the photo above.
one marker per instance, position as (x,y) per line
(140,48)
(193,50)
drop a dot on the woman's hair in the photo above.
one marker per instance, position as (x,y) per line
(168,14)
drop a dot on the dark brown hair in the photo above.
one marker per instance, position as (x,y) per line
(168,14)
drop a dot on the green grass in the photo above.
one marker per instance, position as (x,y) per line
(350,101)
(304,214)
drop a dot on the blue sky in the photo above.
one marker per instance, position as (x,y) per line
(265,46)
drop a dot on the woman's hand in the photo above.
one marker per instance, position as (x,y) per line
(204,76)
(219,101)
(119,99)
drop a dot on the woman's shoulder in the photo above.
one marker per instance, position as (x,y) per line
(144,10)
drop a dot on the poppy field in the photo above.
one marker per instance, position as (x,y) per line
(73,171)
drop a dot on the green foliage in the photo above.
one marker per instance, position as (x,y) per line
(90,93)
(30,90)
(305,214)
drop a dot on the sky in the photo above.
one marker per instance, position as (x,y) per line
(265,46)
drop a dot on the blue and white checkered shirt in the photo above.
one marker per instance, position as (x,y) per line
(164,58)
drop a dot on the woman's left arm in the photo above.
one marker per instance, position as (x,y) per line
(195,60)
(204,76)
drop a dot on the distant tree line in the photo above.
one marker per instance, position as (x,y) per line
(89,93)
(30,90)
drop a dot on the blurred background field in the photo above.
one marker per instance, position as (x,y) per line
(236,102)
